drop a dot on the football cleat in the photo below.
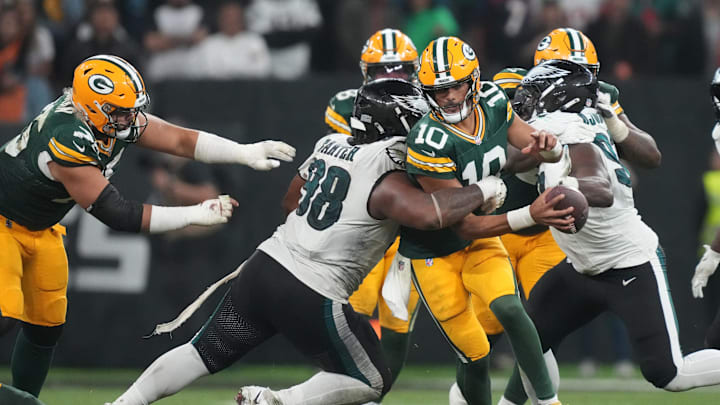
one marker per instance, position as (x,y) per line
(256,395)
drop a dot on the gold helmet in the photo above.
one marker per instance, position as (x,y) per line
(449,62)
(389,53)
(568,44)
(110,94)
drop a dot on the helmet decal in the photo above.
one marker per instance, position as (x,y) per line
(101,84)
(468,52)
(544,43)
(414,103)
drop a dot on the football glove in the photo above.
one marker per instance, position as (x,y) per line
(716,136)
(704,269)
(618,130)
(494,192)
(266,155)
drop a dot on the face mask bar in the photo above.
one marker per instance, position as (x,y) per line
(403,70)
(127,131)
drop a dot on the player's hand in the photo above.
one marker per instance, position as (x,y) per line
(266,155)
(544,212)
(618,130)
(215,211)
(704,269)
(544,146)
(716,136)
(494,192)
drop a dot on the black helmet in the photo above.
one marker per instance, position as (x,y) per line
(555,85)
(715,93)
(384,108)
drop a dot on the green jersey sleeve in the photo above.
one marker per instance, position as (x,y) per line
(339,110)
(428,151)
(509,79)
(608,90)
(73,145)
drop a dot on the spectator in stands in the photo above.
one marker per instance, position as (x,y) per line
(178,26)
(12,89)
(428,21)
(233,52)
(288,27)
(100,34)
(38,57)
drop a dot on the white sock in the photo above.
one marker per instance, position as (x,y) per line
(529,390)
(697,370)
(167,375)
(505,401)
(456,395)
(328,388)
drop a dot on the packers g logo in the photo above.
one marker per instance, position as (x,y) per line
(101,84)
(468,52)
(544,43)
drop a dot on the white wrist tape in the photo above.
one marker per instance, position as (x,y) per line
(520,218)
(618,129)
(554,153)
(163,219)
(211,148)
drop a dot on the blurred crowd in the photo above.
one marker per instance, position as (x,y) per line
(41,41)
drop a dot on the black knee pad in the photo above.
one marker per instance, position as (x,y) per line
(7,325)
(658,373)
(42,335)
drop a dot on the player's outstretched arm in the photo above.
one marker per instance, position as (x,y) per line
(91,190)
(205,147)
(592,177)
(396,198)
(540,144)
(634,144)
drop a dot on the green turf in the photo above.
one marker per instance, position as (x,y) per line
(417,385)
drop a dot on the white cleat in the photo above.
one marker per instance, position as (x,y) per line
(255,395)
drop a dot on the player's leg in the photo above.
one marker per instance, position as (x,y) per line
(560,302)
(542,254)
(488,275)
(236,326)
(13,396)
(440,285)
(395,339)
(640,296)
(365,298)
(44,290)
(338,339)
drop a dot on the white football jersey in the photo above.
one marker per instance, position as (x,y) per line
(613,237)
(330,242)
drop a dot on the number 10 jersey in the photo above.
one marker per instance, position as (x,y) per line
(330,242)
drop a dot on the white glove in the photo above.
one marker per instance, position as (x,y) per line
(209,212)
(618,130)
(704,269)
(716,136)
(212,212)
(264,155)
(494,192)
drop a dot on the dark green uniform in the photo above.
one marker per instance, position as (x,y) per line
(28,194)
(440,150)
(339,110)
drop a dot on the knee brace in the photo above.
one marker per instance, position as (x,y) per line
(46,336)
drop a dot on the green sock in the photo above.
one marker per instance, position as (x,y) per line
(13,396)
(474,381)
(30,364)
(395,347)
(514,391)
(525,342)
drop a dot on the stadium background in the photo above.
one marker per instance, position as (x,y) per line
(122,285)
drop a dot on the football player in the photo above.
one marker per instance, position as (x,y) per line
(534,251)
(465,138)
(64,157)
(711,258)
(616,263)
(353,195)
(388,53)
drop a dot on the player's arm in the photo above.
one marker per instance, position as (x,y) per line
(202,146)
(292,196)
(634,144)
(706,267)
(591,175)
(474,226)
(518,162)
(540,144)
(91,190)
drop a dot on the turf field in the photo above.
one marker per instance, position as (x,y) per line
(417,385)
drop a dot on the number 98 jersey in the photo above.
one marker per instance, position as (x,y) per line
(330,242)
(613,237)
(441,150)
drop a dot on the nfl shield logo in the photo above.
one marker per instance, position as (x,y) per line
(429,262)
(401,266)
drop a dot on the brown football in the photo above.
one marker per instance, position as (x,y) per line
(572,198)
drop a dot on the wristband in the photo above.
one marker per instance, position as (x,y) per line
(554,153)
(619,131)
(520,218)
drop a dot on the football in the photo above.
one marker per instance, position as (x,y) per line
(573,198)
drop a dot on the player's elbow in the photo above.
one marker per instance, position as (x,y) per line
(599,194)
(654,159)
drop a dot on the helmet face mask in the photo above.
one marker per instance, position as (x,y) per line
(568,44)
(715,93)
(111,96)
(446,63)
(384,108)
(389,53)
(555,85)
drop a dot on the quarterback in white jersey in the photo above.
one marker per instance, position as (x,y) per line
(615,262)
(352,195)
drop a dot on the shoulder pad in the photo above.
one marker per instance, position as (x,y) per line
(509,78)
(339,110)
(73,145)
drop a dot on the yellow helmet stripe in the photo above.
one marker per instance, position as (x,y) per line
(125,67)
